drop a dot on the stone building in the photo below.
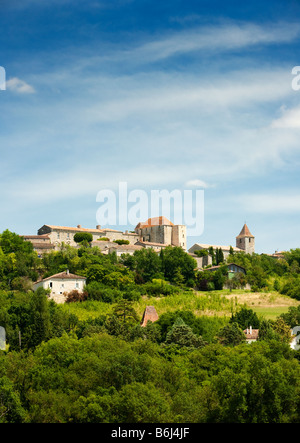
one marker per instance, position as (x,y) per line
(63,234)
(156,233)
(159,230)
(251,334)
(40,243)
(60,284)
(245,242)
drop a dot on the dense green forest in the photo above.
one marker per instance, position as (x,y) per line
(184,368)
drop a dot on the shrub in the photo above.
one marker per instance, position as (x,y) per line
(83,236)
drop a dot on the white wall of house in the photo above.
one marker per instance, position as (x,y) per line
(60,286)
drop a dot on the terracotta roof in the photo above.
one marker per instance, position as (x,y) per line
(154,221)
(63,275)
(67,228)
(150,314)
(251,334)
(245,232)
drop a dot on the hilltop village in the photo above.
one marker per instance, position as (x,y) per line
(156,233)
(95,319)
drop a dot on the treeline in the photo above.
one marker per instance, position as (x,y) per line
(181,368)
(110,278)
(106,274)
(268,273)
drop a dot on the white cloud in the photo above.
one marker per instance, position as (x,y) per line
(198,184)
(290,119)
(219,37)
(20,86)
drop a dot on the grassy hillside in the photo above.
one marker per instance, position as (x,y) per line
(221,303)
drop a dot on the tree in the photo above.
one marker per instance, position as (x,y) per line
(121,242)
(245,318)
(147,265)
(231,335)
(283,330)
(182,335)
(124,311)
(80,237)
(176,259)
(11,410)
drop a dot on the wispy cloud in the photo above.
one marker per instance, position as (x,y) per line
(19,86)
(217,37)
(197,183)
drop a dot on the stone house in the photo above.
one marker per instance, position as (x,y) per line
(251,334)
(40,243)
(60,284)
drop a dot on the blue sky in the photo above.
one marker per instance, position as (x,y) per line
(160,95)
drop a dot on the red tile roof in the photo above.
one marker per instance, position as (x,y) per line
(245,232)
(154,221)
(63,275)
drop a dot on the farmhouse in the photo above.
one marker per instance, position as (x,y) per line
(60,284)
(251,334)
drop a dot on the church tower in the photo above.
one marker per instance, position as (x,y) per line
(245,240)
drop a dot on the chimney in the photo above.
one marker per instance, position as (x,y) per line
(250,329)
(78,226)
(67,272)
(98,227)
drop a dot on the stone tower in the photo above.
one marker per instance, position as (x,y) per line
(245,240)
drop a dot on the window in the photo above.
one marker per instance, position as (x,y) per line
(77,285)
(58,236)
(50,285)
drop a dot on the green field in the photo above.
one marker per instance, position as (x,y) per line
(221,303)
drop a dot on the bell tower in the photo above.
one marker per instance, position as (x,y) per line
(245,240)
